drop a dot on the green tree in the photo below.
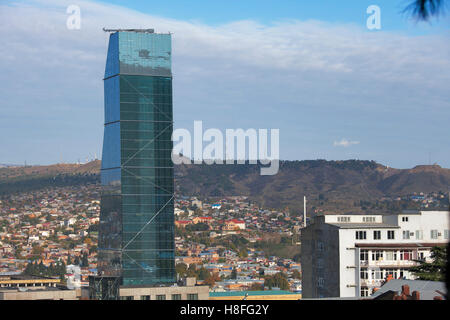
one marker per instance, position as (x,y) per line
(233,274)
(181,269)
(203,274)
(192,270)
(278,280)
(435,270)
(85,260)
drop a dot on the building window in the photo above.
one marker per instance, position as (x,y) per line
(377,235)
(320,246)
(361,235)
(391,255)
(446,231)
(364,292)
(319,263)
(176,297)
(368,219)
(405,234)
(391,234)
(377,275)
(160,297)
(421,256)
(391,272)
(434,234)
(364,255)
(343,219)
(377,255)
(320,282)
(145,297)
(364,274)
(419,234)
(405,219)
(127,298)
(406,255)
(192,296)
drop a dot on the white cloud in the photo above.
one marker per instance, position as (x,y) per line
(303,77)
(345,143)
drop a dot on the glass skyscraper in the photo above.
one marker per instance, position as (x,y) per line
(136,234)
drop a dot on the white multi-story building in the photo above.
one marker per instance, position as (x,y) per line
(350,255)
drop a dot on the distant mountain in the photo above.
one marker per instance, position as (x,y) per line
(338,181)
(26,178)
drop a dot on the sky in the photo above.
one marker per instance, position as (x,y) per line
(312,69)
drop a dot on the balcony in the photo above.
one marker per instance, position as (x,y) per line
(387,263)
(371,283)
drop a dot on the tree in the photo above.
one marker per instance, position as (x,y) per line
(278,280)
(243,253)
(424,9)
(203,273)
(296,274)
(233,274)
(211,279)
(192,270)
(181,269)
(435,270)
(256,287)
(85,260)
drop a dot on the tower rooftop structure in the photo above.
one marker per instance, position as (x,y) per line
(130,30)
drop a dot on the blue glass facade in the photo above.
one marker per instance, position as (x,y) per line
(136,234)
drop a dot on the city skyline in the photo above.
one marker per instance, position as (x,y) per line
(337,90)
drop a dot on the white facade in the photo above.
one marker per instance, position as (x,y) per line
(349,255)
(73,276)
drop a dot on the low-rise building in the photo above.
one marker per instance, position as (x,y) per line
(350,255)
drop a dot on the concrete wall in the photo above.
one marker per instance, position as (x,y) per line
(137,292)
(348,266)
(38,295)
(426,221)
(261,297)
(320,261)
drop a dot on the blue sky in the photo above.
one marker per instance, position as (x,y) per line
(335,89)
(267,11)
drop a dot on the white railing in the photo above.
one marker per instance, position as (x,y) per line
(382,263)
(371,283)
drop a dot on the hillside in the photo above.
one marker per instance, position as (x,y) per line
(16,179)
(338,183)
